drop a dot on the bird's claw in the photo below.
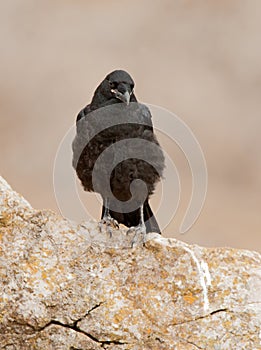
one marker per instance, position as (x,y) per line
(109,223)
(140,231)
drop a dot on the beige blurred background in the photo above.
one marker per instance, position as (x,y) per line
(199,59)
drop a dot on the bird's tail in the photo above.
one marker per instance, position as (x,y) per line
(133,218)
(149,219)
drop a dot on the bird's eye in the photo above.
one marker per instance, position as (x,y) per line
(112,84)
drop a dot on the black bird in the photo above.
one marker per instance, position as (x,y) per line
(115,118)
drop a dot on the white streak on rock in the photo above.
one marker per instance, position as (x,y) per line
(207,275)
(204,276)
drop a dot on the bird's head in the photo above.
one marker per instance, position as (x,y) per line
(116,87)
(120,85)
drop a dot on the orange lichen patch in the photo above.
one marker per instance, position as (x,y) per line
(164,274)
(33,265)
(44,275)
(49,278)
(61,268)
(236,280)
(226,292)
(86,298)
(189,298)
(120,316)
(146,286)
(5,219)
(227,324)
(149,331)
(244,274)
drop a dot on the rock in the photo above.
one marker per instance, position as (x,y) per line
(69,286)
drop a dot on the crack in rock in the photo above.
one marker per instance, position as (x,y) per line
(79,330)
(74,326)
(218,310)
(87,313)
(200,317)
(196,346)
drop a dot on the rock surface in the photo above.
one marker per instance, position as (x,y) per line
(69,286)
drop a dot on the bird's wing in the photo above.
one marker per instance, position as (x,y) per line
(83,113)
(145,114)
(79,141)
(90,122)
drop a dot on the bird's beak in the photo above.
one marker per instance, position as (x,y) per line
(124,97)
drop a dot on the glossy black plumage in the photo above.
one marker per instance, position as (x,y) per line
(115,118)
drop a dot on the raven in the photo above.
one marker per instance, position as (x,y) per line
(116,153)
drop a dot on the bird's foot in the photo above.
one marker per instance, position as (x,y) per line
(109,223)
(140,234)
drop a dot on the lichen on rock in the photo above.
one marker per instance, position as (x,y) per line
(69,286)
